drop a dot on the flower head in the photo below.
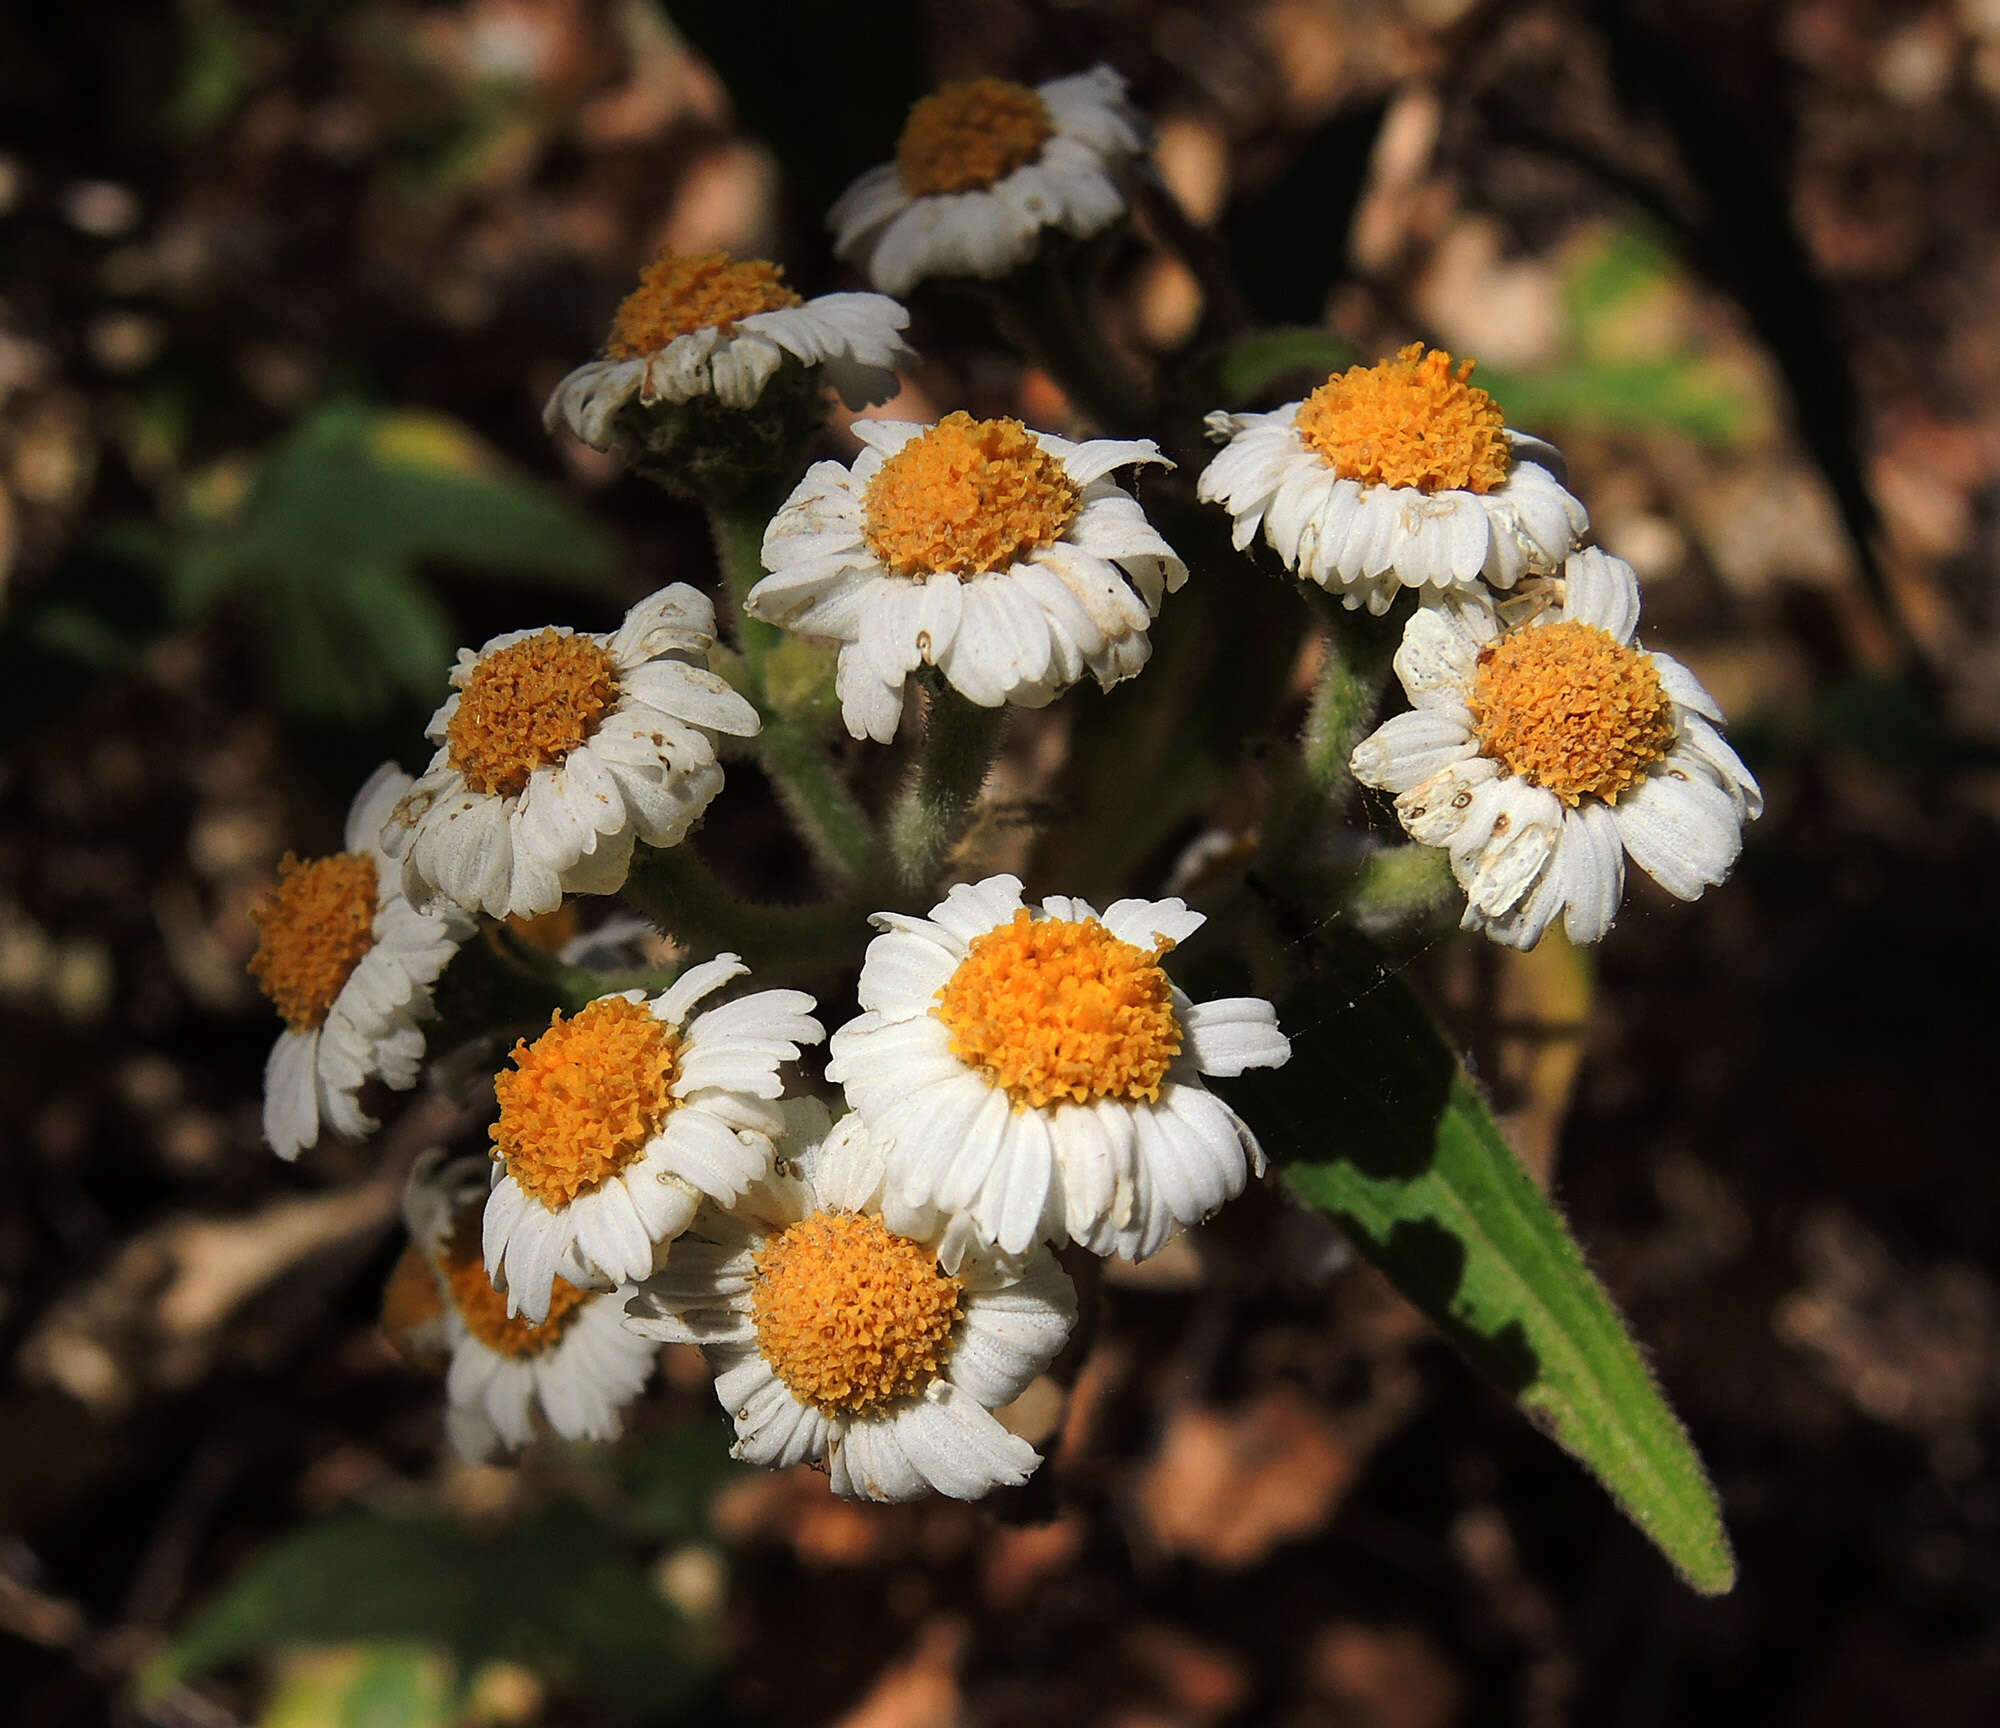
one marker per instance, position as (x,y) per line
(348,963)
(1543,752)
(1398,475)
(982,169)
(1003,557)
(617,1122)
(837,1335)
(574,1372)
(703,325)
(558,751)
(1036,1072)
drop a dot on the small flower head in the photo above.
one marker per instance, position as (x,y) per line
(1005,558)
(1398,475)
(1541,753)
(348,963)
(839,1336)
(558,751)
(714,368)
(983,170)
(1034,1071)
(618,1121)
(575,1371)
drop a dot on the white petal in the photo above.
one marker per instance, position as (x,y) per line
(1684,833)
(1602,590)
(1234,1033)
(1593,871)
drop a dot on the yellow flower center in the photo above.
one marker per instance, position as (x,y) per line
(312,933)
(851,1316)
(966,136)
(484,1309)
(1049,1010)
(967,496)
(1570,707)
(529,705)
(678,293)
(1410,421)
(584,1098)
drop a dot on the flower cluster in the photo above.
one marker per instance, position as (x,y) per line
(872,1286)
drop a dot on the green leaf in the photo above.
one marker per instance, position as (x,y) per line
(1374,1122)
(378,1684)
(551,1592)
(1261,367)
(333,535)
(1705,399)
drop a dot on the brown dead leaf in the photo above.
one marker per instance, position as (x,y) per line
(1229,1486)
(921,1690)
(1200,1680)
(1386,1676)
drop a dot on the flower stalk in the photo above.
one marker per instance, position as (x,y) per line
(935,808)
(688,902)
(826,814)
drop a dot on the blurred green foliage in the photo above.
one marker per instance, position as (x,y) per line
(328,543)
(552,1591)
(1628,364)
(331,537)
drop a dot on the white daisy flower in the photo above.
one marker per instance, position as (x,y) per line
(704,325)
(558,751)
(616,1123)
(349,963)
(837,1336)
(982,169)
(1038,1071)
(1543,753)
(1003,557)
(1397,475)
(575,1372)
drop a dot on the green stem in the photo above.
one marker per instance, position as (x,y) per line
(684,898)
(1399,886)
(827,815)
(1344,700)
(738,525)
(935,808)
(1315,784)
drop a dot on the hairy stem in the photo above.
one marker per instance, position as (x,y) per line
(1344,700)
(1315,785)
(828,817)
(826,814)
(934,809)
(738,525)
(685,899)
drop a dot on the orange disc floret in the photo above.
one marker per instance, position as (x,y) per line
(484,1309)
(966,497)
(313,932)
(583,1100)
(528,705)
(1050,1010)
(1570,707)
(1410,421)
(679,292)
(851,1316)
(966,136)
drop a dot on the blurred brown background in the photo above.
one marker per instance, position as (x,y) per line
(282,289)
